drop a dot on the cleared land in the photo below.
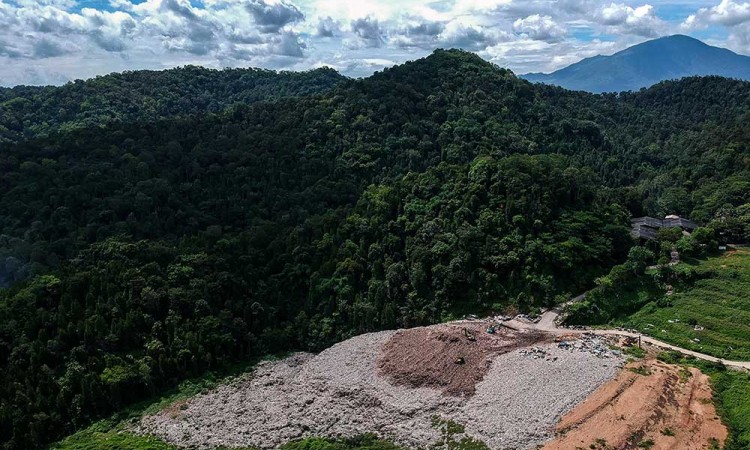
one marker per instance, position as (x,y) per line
(649,405)
(711,315)
(342,392)
(452,358)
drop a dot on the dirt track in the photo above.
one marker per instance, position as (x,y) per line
(663,404)
(547,324)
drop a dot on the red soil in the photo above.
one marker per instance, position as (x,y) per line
(451,357)
(662,403)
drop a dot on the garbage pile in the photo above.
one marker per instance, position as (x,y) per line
(528,318)
(537,353)
(590,342)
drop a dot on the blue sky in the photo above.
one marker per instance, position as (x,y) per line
(54,41)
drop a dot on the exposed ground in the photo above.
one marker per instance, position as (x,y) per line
(507,400)
(650,404)
(450,357)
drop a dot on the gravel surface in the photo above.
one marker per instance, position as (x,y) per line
(339,393)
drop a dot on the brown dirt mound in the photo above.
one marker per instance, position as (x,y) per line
(451,357)
(649,405)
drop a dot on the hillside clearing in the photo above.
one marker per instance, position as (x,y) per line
(339,393)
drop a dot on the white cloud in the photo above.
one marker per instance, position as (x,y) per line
(470,37)
(62,40)
(328,27)
(540,28)
(621,18)
(368,33)
(728,13)
(732,15)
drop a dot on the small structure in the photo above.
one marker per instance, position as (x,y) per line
(646,227)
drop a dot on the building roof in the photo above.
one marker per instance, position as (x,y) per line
(646,227)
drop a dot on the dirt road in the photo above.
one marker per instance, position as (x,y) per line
(547,323)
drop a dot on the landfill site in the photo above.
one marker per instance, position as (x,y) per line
(509,387)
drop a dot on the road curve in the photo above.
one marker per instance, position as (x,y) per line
(547,323)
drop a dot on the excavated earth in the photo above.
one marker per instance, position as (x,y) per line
(452,358)
(650,404)
(394,383)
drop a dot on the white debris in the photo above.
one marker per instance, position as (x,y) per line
(338,393)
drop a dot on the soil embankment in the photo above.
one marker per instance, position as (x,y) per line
(650,404)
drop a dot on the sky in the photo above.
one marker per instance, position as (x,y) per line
(55,41)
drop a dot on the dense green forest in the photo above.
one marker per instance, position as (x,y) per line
(145,244)
(146,96)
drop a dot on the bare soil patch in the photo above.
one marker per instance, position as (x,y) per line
(450,357)
(650,404)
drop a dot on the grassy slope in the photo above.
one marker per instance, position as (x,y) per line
(720,302)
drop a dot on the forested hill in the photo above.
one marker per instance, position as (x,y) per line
(143,252)
(29,111)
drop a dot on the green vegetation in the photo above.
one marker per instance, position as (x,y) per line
(152,231)
(626,288)
(450,431)
(364,442)
(640,370)
(636,352)
(113,432)
(147,96)
(731,396)
(110,439)
(709,311)
(117,439)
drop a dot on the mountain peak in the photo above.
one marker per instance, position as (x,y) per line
(440,67)
(648,63)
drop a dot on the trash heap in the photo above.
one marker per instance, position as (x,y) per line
(537,353)
(590,342)
(528,318)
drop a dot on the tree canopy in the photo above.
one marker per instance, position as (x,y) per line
(154,225)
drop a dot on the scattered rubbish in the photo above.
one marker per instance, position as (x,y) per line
(698,328)
(536,353)
(459,360)
(528,318)
(469,335)
(696,340)
(491,329)
(587,342)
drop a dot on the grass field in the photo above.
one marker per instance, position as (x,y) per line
(717,300)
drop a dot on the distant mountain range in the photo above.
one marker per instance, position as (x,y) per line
(646,64)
